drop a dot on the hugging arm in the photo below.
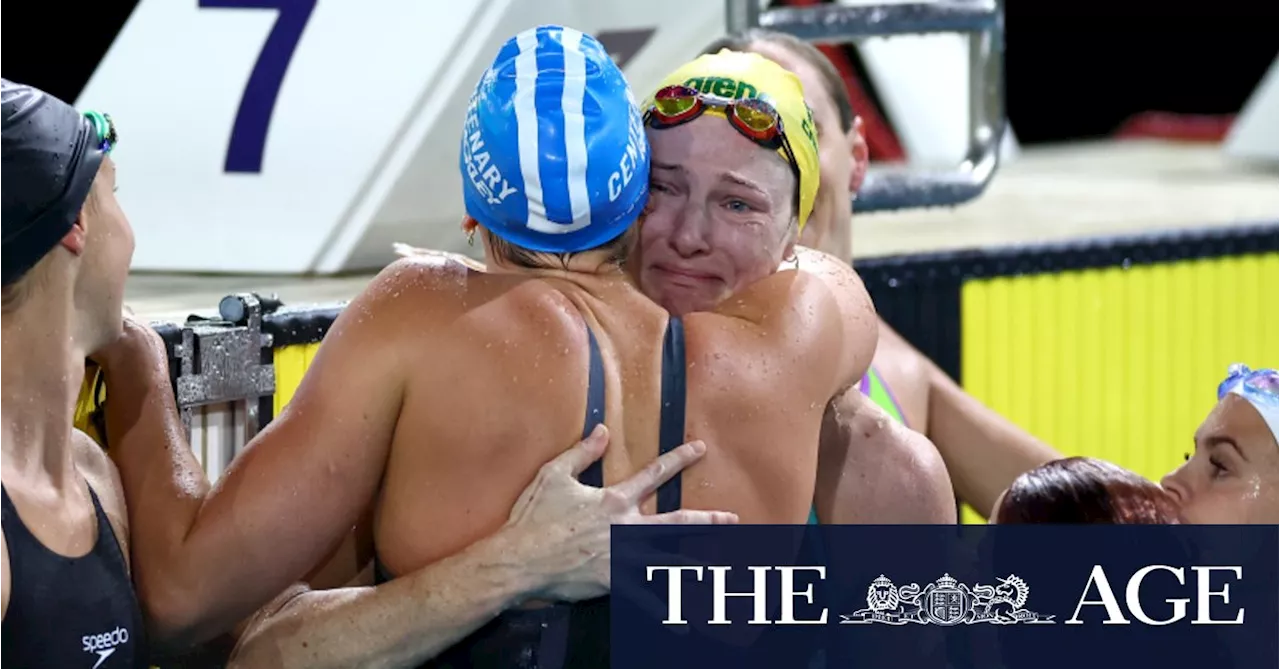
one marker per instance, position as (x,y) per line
(984,450)
(874,470)
(554,546)
(871,469)
(205,558)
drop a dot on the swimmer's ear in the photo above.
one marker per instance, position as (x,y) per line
(73,241)
(861,155)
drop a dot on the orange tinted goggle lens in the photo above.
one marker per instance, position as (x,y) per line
(675,101)
(674,106)
(757,117)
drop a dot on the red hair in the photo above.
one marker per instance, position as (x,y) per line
(1081,490)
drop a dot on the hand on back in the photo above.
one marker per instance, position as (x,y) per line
(562,526)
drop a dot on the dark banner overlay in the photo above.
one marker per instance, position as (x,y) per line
(980,596)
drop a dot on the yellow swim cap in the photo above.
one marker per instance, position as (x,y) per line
(735,75)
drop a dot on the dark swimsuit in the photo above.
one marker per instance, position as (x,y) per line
(70,611)
(576,635)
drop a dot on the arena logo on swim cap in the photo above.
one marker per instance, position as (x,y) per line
(486,177)
(725,87)
(733,89)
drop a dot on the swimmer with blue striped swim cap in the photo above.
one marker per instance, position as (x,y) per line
(554,157)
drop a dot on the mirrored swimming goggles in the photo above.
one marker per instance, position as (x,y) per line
(755,119)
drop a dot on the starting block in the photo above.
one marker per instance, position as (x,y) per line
(981,20)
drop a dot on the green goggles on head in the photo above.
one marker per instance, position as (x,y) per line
(104,128)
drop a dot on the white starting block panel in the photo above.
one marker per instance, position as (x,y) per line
(1256,133)
(306,139)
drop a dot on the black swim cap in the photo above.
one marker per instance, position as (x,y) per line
(51,155)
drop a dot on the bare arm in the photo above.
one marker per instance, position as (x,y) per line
(874,470)
(558,530)
(399,623)
(204,559)
(871,469)
(983,450)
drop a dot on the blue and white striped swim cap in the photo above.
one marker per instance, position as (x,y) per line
(554,154)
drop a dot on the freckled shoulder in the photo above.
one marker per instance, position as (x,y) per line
(421,276)
(445,261)
(841,277)
(416,296)
(818,263)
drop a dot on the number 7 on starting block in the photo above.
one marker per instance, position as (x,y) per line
(253,119)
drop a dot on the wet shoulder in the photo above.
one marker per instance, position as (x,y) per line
(790,314)
(813,315)
(453,295)
(836,274)
(860,327)
(433,283)
(101,474)
(429,272)
(785,299)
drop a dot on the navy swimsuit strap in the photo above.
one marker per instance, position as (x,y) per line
(577,634)
(671,429)
(594,474)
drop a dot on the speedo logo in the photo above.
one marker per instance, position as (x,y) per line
(105,644)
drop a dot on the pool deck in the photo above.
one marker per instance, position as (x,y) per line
(1045,194)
